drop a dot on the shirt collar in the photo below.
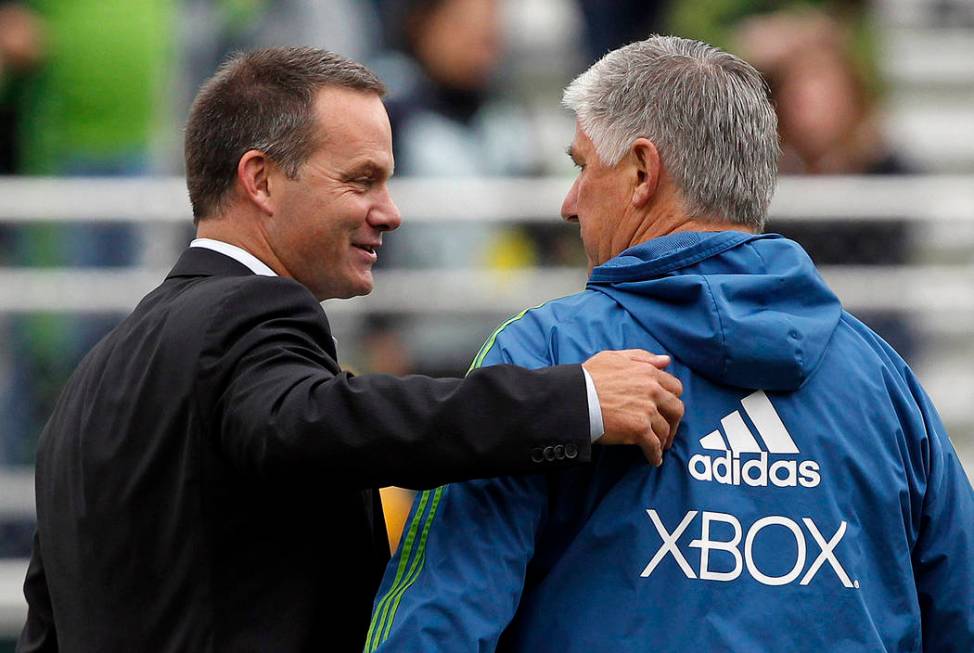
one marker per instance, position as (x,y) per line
(242,256)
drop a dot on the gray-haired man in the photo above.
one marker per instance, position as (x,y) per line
(815,503)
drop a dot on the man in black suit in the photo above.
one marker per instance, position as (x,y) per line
(203,483)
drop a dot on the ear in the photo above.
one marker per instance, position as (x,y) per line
(253,175)
(646,160)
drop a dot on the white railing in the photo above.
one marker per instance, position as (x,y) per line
(944,200)
(13,608)
(934,197)
(933,290)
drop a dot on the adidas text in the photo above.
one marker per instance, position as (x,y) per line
(743,460)
(730,469)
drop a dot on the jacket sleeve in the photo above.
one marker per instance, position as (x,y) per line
(456,580)
(943,556)
(39,634)
(280,405)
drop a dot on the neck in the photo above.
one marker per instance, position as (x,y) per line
(676,224)
(667,216)
(241,233)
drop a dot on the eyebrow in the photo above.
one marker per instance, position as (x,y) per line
(370,168)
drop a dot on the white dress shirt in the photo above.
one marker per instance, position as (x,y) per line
(239,255)
(255,265)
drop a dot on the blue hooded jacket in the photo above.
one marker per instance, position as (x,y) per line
(811,501)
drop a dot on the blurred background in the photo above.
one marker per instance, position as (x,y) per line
(876,110)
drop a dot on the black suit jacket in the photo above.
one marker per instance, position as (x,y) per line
(203,484)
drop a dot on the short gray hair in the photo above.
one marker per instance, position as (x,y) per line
(261,100)
(707,112)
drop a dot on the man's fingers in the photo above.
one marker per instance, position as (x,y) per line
(670,383)
(640,402)
(661,429)
(659,361)
(671,408)
(642,356)
(618,357)
(651,449)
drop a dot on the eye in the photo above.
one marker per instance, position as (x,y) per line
(364,182)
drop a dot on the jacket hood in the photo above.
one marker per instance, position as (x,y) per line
(739,309)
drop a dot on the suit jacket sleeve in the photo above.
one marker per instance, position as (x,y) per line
(39,634)
(271,390)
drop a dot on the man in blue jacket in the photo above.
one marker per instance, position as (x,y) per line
(812,500)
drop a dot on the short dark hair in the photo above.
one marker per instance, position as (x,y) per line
(261,100)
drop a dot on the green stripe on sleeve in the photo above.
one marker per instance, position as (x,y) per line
(485,349)
(418,562)
(407,545)
(386,608)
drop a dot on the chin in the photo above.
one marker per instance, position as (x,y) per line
(346,289)
(357,287)
(348,293)
(364,290)
(365,284)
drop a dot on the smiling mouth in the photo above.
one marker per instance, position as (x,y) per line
(368,248)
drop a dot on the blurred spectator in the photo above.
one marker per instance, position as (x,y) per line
(449,119)
(348,27)
(718,19)
(829,123)
(448,116)
(952,13)
(92,104)
(21,49)
(610,25)
(210,30)
(87,107)
(382,347)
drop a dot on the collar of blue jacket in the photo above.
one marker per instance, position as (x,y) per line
(741,309)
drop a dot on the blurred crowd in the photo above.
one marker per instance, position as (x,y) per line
(101,87)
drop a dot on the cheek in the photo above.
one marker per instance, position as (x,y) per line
(587,207)
(590,232)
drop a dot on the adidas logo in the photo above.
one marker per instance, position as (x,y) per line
(746,462)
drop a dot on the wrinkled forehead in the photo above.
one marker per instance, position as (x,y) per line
(581,145)
(344,112)
(353,124)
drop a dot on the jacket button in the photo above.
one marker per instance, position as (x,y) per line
(537,455)
(559,452)
(549,453)
(571,451)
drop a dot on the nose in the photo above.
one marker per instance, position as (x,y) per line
(385,216)
(569,207)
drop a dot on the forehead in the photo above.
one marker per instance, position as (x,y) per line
(582,144)
(353,125)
